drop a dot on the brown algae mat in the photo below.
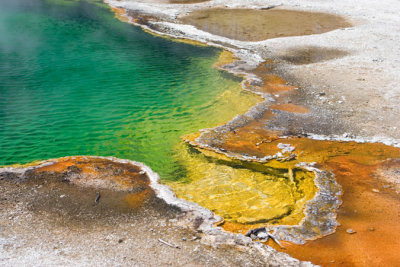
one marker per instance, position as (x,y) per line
(368,234)
(258,25)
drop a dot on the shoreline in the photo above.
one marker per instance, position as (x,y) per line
(359,123)
(78,170)
(249,54)
(325,182)
(242,65)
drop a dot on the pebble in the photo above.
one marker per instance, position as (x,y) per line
(263,235)
(350,231)
(183,238)
(120,240)
(375,190)
(371,229)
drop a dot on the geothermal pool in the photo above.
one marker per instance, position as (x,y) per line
(76,81)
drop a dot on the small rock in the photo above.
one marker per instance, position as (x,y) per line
(263,235)
(120,240)
(371,229)
(375,190)
(183,238)
(350,231)
(346,135)
(142,172)
(322,94)
(62,196)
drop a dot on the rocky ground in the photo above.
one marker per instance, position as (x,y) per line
(102,211)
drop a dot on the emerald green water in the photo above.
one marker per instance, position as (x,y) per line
(76,81)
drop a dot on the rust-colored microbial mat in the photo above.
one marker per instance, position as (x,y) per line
(371,205)
(122,182)
(290,108)
(369,174)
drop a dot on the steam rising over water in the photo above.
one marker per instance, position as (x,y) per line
(76,81)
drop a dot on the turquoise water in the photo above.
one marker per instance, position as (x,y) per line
(76,81)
